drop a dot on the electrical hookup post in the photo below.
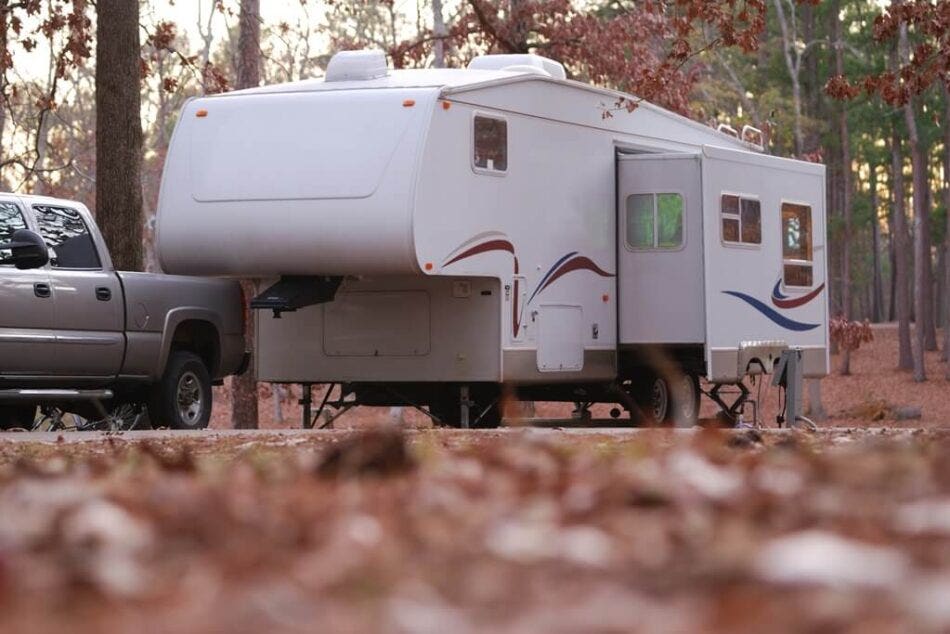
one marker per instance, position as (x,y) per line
(788,375)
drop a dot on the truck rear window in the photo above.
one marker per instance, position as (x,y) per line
(68,237)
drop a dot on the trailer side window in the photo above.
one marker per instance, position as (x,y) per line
(741,219)
(491,144)
(797,245)
(655,221)
(68,237)
(10,220)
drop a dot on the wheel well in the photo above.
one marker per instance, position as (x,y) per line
(201,338)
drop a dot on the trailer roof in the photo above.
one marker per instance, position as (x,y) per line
(405,78)
(453,81)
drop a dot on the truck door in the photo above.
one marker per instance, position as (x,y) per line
(660,250)
(27,337)
(89,310)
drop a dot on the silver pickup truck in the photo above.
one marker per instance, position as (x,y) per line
(78,336)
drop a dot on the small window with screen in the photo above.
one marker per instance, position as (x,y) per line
(741,219)
(797,243)
(11,220)
(68,238)
(655,221)
(491,144)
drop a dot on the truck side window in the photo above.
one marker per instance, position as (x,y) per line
(68,238)
(10,220)
(797,245)
(491,144)
(655,221)
(741,219)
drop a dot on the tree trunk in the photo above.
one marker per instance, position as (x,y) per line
(877,290)
(901,260)
(438,31)
(930,314)
(845,141)
(946,203)
(119,131)
(244,414)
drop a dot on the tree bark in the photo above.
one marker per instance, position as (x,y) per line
(844,140)
(119,131)
(930,312)
(905,360)
(244,407)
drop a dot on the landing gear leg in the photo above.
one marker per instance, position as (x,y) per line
(731,412)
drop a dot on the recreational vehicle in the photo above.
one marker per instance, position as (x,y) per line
(440,238)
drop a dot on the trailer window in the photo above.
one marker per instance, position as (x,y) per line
(797,245)
(741,219)
(655,221)
(491,144)
(68,237)
(10,220)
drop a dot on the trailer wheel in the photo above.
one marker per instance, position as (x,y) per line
(17,416)
(671,401)
(182,399)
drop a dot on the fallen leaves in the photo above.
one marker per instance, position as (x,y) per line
(506,531)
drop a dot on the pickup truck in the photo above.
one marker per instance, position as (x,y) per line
(78,336)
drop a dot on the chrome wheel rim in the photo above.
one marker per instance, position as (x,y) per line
(660,397)
(190,399)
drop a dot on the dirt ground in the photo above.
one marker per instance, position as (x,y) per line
(868,396)
(516,530)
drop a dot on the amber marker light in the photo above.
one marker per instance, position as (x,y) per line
(428,266)
(605,297)
(408,103)
(201,114)
(446,105)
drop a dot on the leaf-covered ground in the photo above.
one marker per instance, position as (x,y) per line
(447,531)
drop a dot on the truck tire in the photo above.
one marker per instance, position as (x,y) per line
(17,416)
(182,399)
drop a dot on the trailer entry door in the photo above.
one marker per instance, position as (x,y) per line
(660,249)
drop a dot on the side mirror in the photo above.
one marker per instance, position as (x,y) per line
(29,250)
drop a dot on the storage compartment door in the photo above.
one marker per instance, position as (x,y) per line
(660,250)
(560,338)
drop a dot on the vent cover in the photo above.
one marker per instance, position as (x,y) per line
(357,66)
(520,63)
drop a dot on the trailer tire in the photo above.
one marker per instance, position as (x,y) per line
(17,416)
(182,399)
(669,401)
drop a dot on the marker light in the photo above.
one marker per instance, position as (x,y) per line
(201,113)
(408,103)
(428,266)
(446,105)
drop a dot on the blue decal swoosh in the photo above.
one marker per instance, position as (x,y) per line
(781,320)
(548,274)
(776,293)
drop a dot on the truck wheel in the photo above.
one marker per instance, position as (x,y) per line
(17,416)
(182,399)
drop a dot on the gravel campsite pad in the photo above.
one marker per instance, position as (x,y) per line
(508,531)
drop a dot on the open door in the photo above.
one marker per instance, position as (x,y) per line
(660,249)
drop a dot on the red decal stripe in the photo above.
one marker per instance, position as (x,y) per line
(795,302)
(579,263)
(491,245)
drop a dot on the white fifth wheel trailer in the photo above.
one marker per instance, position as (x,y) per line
(429,236)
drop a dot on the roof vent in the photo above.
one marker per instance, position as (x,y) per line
(520,64)
(357,66)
